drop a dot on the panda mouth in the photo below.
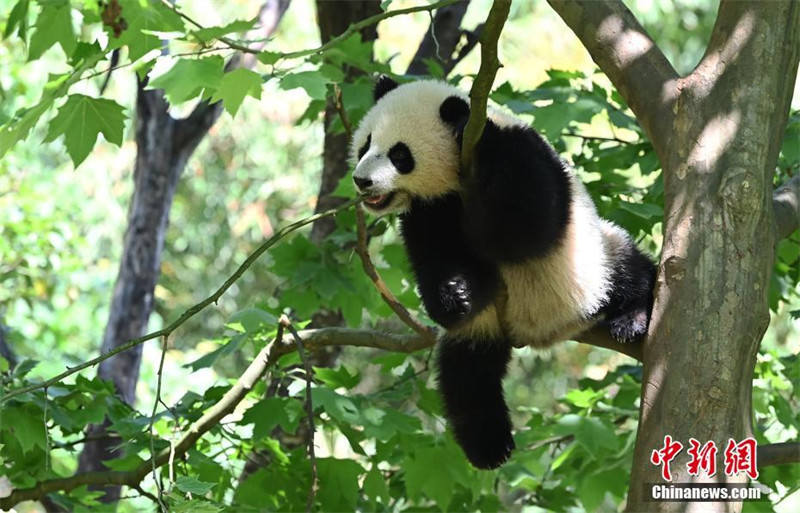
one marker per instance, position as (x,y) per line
(380,201)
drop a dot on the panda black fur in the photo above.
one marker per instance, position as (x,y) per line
(522,219)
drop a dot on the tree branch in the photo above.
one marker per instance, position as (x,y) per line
(191,312)
(786,208)
(383,289)
(285,343)
(479,94)
(441,40)
(778,454)
(362,248)
(625,52)
(190,130)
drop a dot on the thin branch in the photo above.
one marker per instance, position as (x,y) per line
(352,29)
(629,57)
(441,40)
(778,454)
(309,405)
(191,312)
(479,94)
(190,130)
(265,359)
(312,339)
(786,208)
(362,248)
(383,289)
(159,375)
(597,138)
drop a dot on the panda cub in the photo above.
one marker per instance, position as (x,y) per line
(521,226)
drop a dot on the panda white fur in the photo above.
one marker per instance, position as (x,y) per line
(522,222)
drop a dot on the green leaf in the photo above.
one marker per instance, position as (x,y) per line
(336,378)
(188,78)
(254,320)
(127,462)
(375,487)
(18,17)
(266,414)
(53,25)
(592,491)
(144,18)
(339,407)
(207,34)
(430,472)
(208,359)
(81,119)
(27,427)
(193,485)
(234,86)
(268,58)
(643,210)
(338,484)
(313,82)
(590,432)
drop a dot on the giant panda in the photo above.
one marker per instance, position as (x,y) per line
(521,226)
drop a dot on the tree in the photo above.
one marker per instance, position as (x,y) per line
(717,132)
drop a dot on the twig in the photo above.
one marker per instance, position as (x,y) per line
(339,104)
(309,405)
(362,247)
(268,357)
(194,310)
(383,289)
(159,374)
(597,138)
(265,359)
(352,29)
(479,94)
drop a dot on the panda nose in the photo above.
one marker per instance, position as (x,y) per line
(362,183)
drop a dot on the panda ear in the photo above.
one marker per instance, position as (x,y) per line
(383,86)
(454,110)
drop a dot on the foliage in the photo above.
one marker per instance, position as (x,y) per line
(381,443)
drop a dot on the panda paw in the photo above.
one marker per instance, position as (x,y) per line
(629,327)
(456,297)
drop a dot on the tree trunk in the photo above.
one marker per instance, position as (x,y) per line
(334,18)
(163,151)
(711,298)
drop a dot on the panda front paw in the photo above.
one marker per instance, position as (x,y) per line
(456,297)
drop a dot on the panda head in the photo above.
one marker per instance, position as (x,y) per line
(405,147)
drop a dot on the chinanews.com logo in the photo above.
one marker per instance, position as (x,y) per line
(738,458)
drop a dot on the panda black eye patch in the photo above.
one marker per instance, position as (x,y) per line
(401,158)
(363,150)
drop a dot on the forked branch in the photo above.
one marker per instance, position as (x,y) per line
(625,52)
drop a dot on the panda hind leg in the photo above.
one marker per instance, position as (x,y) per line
(470,378)
(627,314)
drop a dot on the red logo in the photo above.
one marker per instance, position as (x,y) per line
(703,457)
(665,455)
(741,457)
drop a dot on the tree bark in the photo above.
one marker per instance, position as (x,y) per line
(164,145)
(711,304)
(333,18)
(718,133)
(159,164)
